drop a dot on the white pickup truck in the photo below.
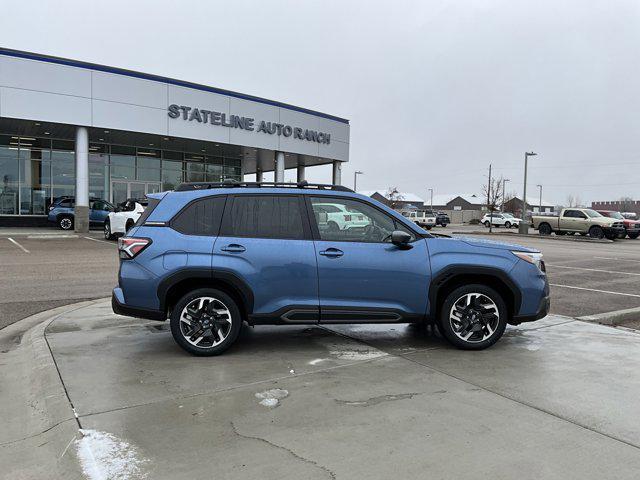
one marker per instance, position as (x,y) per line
(420,218)
(117,223)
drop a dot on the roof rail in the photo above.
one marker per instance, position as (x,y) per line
(188,186)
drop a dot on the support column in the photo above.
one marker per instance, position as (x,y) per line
(259,175)
(81,211)
(279,173)
(301,173)
(337,173)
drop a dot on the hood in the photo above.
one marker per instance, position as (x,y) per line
(477,242)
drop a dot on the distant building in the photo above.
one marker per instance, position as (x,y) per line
(618,206)
(458,202)
(403,200)
(514,205)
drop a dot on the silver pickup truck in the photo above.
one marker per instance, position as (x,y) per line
(578,220)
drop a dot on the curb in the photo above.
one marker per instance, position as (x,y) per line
(613,318)
(39,423)
(542,237)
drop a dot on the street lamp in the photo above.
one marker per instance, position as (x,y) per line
(431,191)
(355,179)
(540,203)
(504,181)
(524,226)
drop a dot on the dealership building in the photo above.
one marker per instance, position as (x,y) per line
(71,128)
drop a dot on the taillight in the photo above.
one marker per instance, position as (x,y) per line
(347,218)
(130,247)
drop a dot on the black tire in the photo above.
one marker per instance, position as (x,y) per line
(611,235)
(108,235)
(487,224)
(507,224)
(128,226)
(622,234)
(332,226)
(544,229)
(596,232)
(633,236)
(65,222)
(499,324)
(444,225)
(222,299)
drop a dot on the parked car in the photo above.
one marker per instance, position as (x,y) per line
(61,211)
(421,218)
(505,220)
(117,223)
(631,227)
(210,256)
(442,218)
(578,220)
(339,217)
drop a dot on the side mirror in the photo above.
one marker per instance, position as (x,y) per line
(400,238)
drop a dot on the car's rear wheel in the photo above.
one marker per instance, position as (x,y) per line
(596,232)
(65,222)
(544,229)
(332,227)
(108,235)
(487,224)
(205,322)
(473,317)
(507,224)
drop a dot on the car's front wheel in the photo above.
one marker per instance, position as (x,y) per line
(596,232)
(205,322)
(473,317)
(108,234)
(65,222)
(487,224)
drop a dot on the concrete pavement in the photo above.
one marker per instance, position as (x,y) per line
(553,399)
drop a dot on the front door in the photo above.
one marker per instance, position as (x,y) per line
(121,191)
(362,276)
(266,240)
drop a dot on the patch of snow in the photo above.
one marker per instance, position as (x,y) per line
(104,456)
(317,361)
(271,398)
(357,353)
(292,371)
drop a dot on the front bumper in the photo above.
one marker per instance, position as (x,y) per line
(119,307)
(616,230)
(543,311)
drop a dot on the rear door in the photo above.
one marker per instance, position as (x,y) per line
(265,240)
(362,276)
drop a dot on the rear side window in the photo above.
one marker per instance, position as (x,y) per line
(152,204)
(201,217)
(264,216)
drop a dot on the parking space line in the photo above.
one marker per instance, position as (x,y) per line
(592,269)
(18,245)
(618,259)
(101,241)
(595,290)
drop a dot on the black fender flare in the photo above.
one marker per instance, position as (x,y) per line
(205,273)
(450,272)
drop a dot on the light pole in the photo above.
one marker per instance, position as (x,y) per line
(431,192)
(524,226)
(540,202)
(504,180)
(355,179)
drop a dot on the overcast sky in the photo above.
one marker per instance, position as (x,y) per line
(435,90)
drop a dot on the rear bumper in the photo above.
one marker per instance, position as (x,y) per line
(119,307)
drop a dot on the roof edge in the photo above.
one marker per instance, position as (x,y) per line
(158,78)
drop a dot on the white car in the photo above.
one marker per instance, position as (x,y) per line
(421,218)
(338,217)
(118,223)
(500,220)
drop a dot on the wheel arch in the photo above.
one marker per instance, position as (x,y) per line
(453,277)
(172,288)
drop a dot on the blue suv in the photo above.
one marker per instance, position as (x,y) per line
(210,256)
(61,211)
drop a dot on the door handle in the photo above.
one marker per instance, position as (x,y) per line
(233,248)
(332,253)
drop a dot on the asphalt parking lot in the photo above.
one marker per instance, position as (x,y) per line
(553,399)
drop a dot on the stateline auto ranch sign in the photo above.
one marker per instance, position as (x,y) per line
(200,115)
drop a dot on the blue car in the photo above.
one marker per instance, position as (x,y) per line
(61,211)
(210,256)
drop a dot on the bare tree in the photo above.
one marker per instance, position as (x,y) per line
(394,197)
(573,200)
(626,204)
(492,192)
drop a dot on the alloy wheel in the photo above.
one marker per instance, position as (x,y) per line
(107,231)
(474,317)
(66,223)
(205,322)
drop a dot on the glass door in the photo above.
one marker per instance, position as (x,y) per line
(119,192)
(124,190)
(137,190)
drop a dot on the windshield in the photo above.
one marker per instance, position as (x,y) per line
(508,215)
(592,213)
(617,215)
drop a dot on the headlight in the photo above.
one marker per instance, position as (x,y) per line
(532,258)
